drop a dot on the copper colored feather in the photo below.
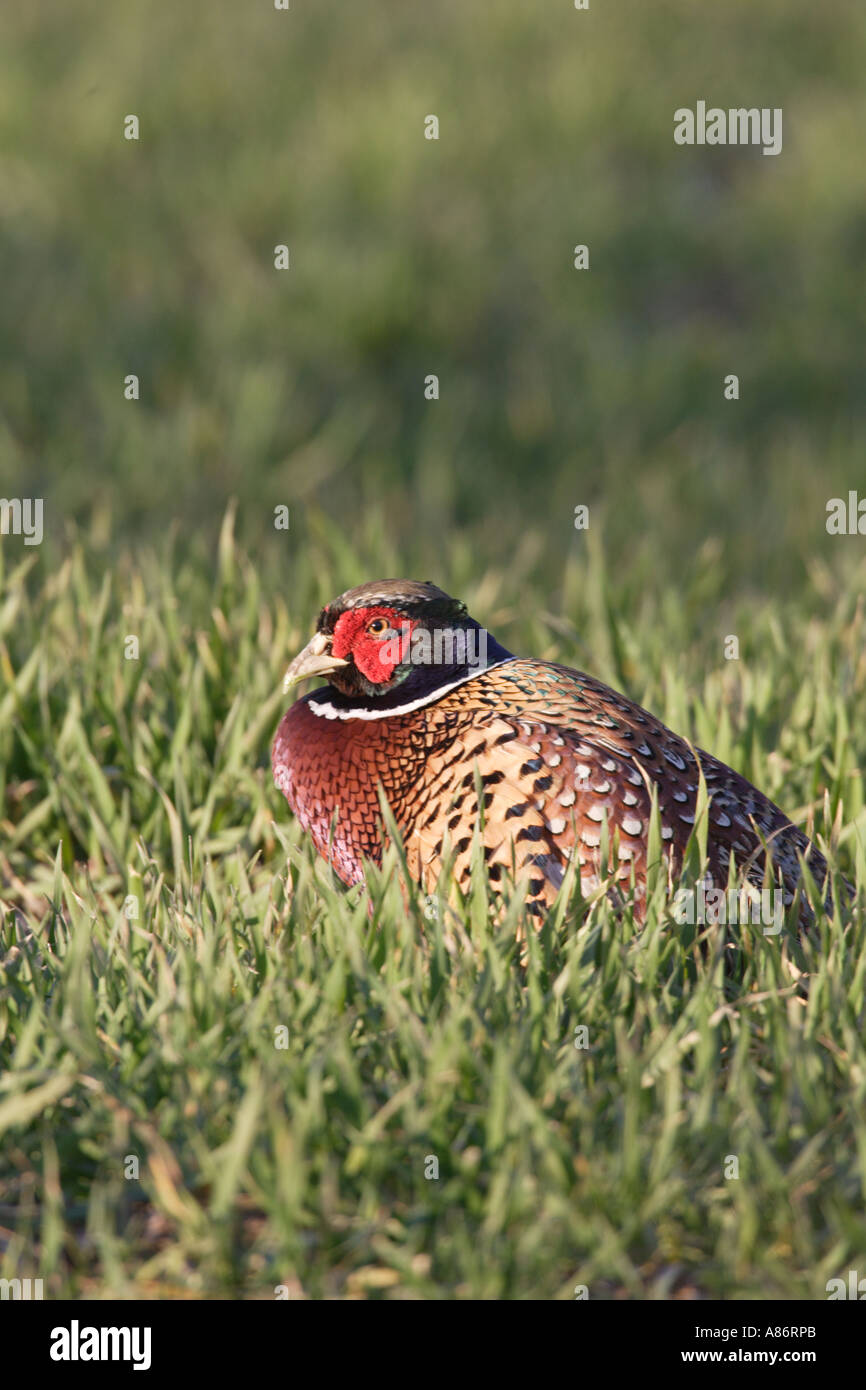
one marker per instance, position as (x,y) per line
(552,752)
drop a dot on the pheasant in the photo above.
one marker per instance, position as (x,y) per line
(463,737)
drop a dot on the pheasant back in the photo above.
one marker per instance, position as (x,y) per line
(536,759)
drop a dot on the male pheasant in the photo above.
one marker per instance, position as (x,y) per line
(428,707)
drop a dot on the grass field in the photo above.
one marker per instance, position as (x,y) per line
(161,915)
(163,918)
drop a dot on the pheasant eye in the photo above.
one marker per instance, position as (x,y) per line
(377,626)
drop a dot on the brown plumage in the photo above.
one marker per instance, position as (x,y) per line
(553,753)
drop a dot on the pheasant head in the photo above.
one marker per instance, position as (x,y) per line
(392,644)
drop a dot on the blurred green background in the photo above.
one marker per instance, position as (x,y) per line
(305,388)
(454,257)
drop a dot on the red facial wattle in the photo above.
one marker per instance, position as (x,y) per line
(376,656)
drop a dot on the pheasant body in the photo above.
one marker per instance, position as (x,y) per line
(535,757)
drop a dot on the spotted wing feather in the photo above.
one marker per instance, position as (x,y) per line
(555,753)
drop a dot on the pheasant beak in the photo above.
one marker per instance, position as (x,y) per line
(315,660)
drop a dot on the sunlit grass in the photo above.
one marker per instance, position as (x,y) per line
(163,917)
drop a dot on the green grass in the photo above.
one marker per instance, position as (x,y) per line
(149,1030)
(146,782)
(558,387)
